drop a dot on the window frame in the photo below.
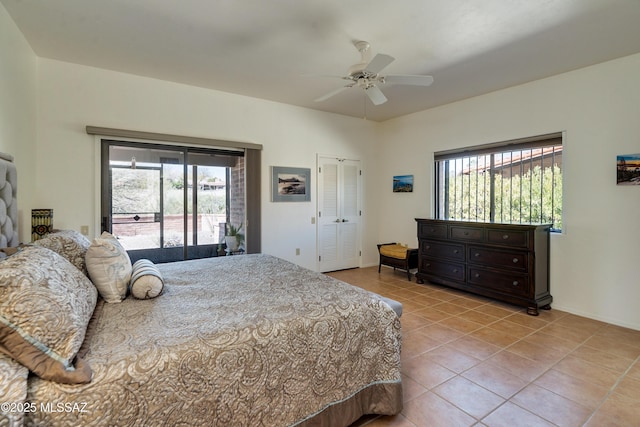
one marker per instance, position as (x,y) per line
(441,201)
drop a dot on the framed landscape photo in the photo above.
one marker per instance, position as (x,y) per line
(290,184)
(628,169)
(403,184)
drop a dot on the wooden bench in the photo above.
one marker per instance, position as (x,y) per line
(398,256)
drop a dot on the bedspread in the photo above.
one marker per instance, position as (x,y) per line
(247,340)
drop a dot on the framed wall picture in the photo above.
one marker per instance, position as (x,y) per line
(403,184)
(290,184)
(628,169)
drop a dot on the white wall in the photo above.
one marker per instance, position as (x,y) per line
(594,264)
(73,96)
(18,113)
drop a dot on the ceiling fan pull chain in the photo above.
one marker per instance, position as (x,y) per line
(364,106)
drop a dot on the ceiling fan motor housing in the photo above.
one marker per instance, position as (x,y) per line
(357,70)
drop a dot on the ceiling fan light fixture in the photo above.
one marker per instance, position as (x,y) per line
(366,73)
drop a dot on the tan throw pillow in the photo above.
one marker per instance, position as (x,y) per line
(109,267)
(45,307)
(146,280)
(70,244)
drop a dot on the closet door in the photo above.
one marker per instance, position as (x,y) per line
(338,213)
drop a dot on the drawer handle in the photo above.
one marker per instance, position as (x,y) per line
(477,275)
(427,265)
(433,230)
(515,260)
(515,283)
(466,233)
(455,251)
(455,270)
(505,236)
(477,254)
(427,247)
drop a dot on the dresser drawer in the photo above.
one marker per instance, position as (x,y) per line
(442,250)
(442,269)
(497,258)
(470,234)
(437,231)
(506,261)
(508,238)
(511,283)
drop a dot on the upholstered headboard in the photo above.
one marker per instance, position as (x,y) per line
(8,202)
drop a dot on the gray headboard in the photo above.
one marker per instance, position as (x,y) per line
(8,202)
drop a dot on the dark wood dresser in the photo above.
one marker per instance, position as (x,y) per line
(508,262)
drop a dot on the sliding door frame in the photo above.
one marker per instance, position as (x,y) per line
(253,159)
(252,221)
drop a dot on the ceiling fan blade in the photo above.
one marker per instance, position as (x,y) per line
(332,93)
(325,76)
(379,62)
(409,79)
(375,95)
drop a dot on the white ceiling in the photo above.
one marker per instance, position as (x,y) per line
(282,50)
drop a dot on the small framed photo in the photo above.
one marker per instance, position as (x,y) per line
(403,184)
(290,184)
(628,172)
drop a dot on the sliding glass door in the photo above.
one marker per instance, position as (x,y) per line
(168,203)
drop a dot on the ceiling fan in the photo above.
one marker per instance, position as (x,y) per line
(365,75)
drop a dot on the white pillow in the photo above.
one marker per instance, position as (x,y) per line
(146,280)
(109,267)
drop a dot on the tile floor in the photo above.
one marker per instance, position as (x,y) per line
(469,360)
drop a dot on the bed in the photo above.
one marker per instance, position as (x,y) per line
(248,340)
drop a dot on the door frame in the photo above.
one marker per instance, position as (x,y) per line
(104,208)
(320,156)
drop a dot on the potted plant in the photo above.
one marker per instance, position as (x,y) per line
(233,237)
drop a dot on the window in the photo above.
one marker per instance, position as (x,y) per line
(516,181)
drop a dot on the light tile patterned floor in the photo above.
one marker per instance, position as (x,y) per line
(469,360)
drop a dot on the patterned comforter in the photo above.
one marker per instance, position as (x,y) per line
(235,341)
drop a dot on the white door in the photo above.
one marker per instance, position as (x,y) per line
(339,213)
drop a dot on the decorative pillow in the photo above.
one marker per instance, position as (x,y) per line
(70,244)
(146,280)
(10,251)
(109,267)
(5,252)
(45,307)
(13,389)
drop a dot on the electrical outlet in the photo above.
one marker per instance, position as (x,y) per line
(297,251)
(84,229)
